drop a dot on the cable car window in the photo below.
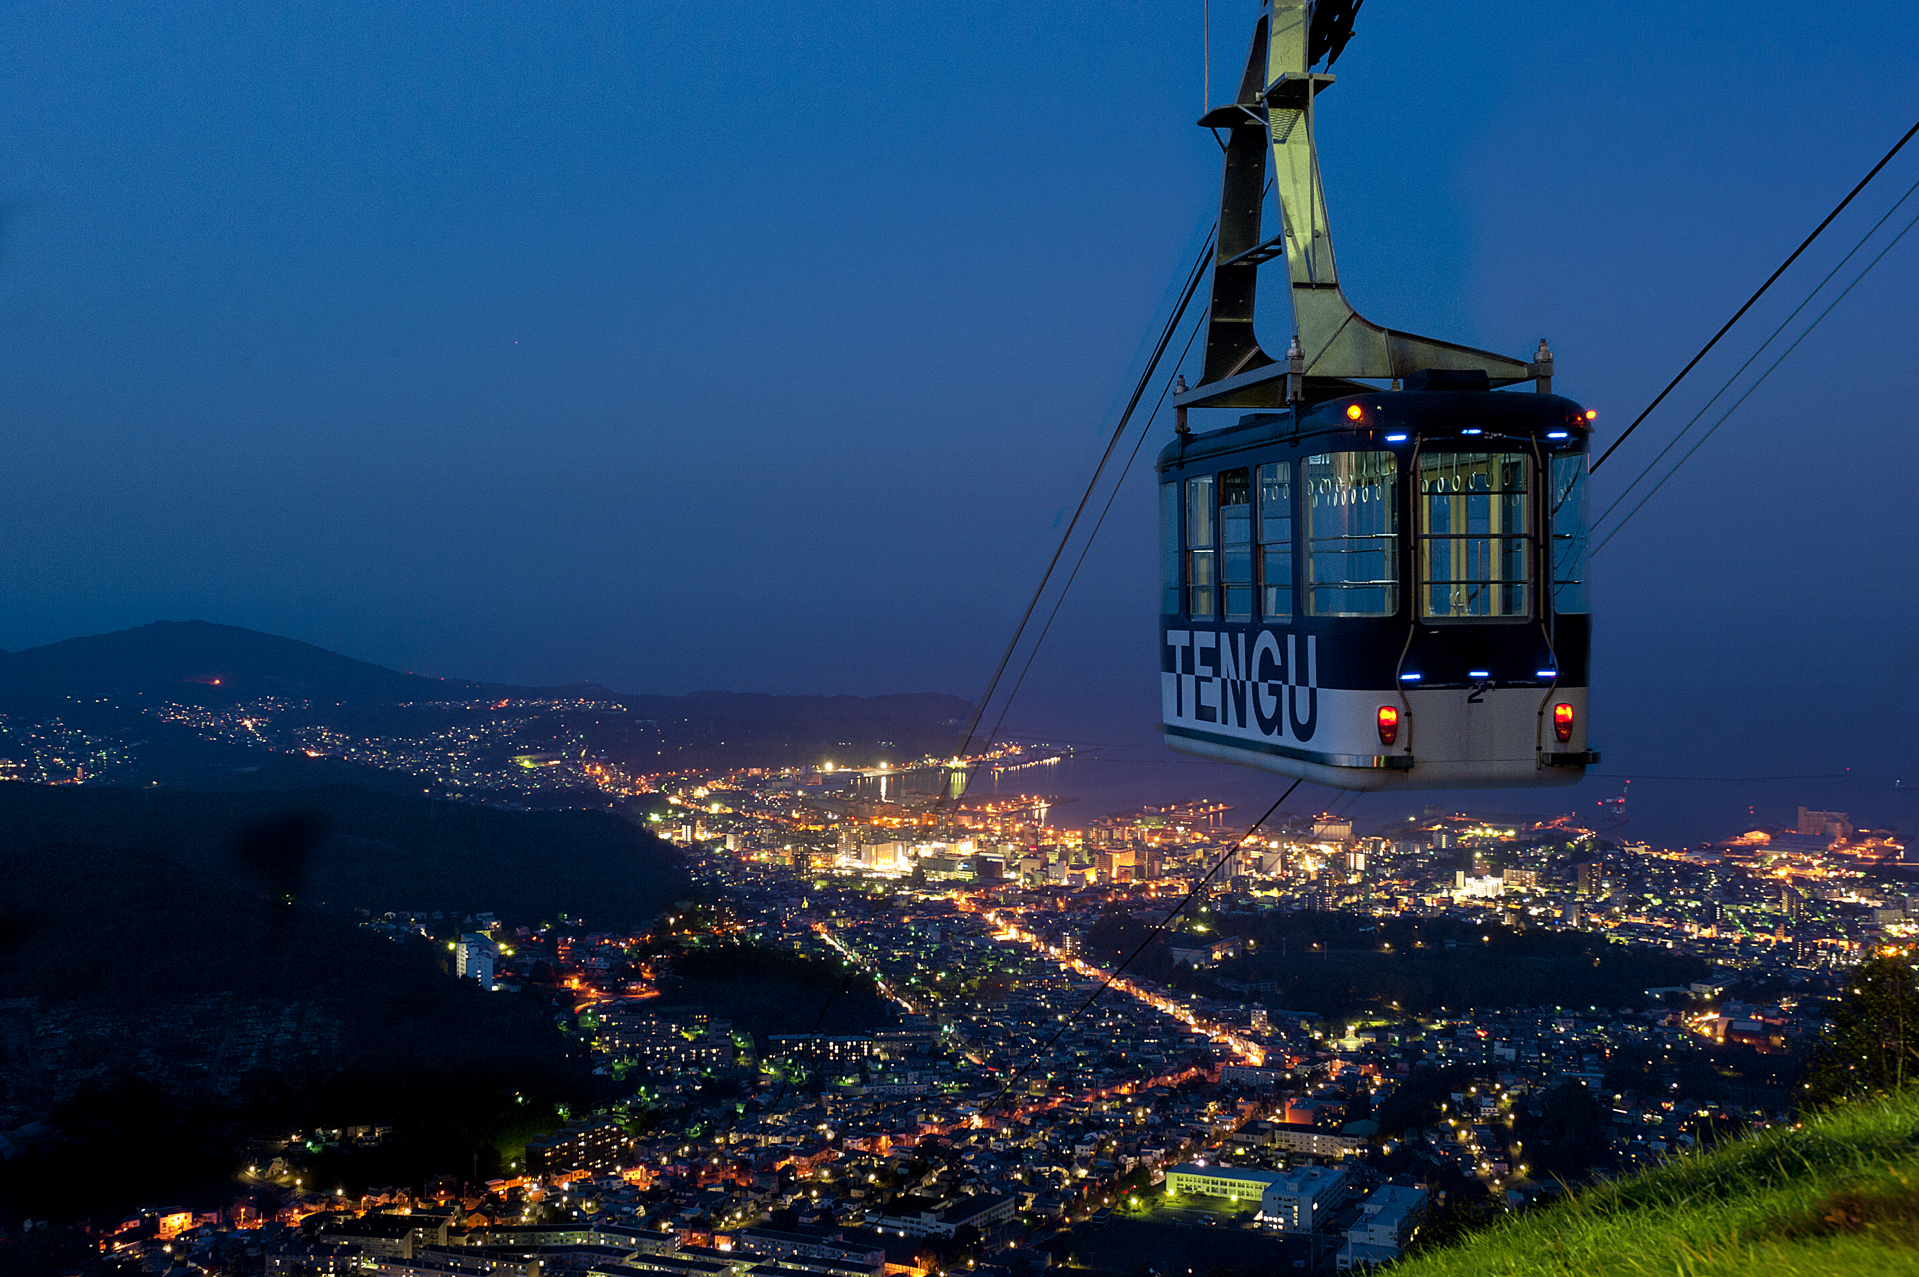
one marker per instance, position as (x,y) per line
(1569,533)
(1200,579)
(1169,547)
(1276,541)
(1475,554)
(1352,533)
(1236,542)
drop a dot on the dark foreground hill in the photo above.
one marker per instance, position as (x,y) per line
(181,973)
(342,848)
(131,937)
(161,1017)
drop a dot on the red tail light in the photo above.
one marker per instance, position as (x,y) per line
(1563,722)
(1388,724)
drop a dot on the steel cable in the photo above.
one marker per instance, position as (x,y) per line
(1752,358)
(1804,245)
(1654,491)
(1139,391)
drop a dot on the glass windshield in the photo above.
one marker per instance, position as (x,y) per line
(1474,548)
(1236,542)
(1169,547)
(1201,581)
(1569,533)
(1276,540)
(1352,529)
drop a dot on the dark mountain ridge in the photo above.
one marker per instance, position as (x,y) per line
(210,664)
(124,687)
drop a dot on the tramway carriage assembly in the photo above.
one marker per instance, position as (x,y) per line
(1375,579)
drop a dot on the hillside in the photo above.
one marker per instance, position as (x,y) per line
(162,1016)
(1839,1195)
(365,849)
(206,706)
(205,663)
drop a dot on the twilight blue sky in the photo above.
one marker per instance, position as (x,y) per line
(761,347)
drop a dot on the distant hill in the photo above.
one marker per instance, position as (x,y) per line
(206,663)
(373,850)
(112,685)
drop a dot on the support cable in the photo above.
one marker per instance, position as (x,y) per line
(1627,517)
(1099,523)
(1165,338)
(1752,358)
(1153,935)
(1804,245)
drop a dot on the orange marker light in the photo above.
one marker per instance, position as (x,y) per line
(1354,412)
(1563,722)
(1388,724)
(1592,414)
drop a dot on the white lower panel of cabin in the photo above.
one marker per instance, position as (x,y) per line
(1449,738)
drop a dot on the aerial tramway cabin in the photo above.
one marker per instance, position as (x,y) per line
(1373,575)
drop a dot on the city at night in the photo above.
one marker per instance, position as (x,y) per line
(668,641)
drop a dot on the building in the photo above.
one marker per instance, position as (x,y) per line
(835,1049)
(676,1264)
(1588,878)
(437,1264)
(1385,1224)
(1299,1200)
(382,1237)
(595,1147)
(593,1233)
(1198,951)
(915,1217)
(493,1261)
(312,1259)
(814,1268)
(1296,1137)
(1220,1181)
(812,1251)
(1484,887)
(475,954)
(663,1046)
(1824,824)
(1253,1074)
(982,1211)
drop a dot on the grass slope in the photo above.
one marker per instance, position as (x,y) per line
(1839,1195)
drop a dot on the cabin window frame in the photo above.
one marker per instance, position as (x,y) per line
(1202,548)
(1482,539)
(1355,491)
(1274,546)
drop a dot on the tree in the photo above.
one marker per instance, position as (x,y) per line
(1567,1135)
(1871,1046)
